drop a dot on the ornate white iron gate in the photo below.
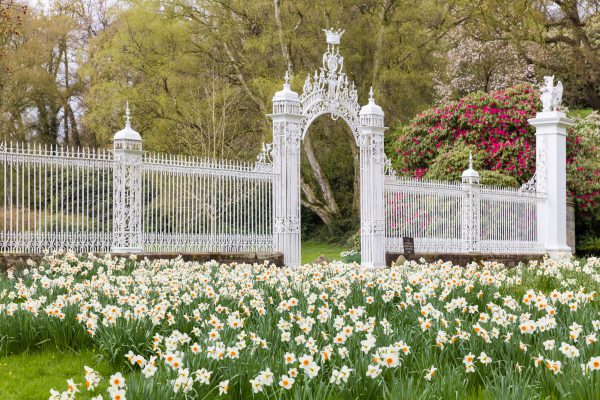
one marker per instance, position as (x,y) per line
(127,201)
(328,92)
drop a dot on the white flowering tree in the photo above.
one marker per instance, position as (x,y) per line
(475,64)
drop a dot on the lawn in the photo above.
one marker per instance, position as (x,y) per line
(29,376)
(312,250)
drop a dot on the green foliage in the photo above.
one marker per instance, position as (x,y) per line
(337,232)
(452,161)
(583,171)
(497,178)
(588,245)
(351,256)
(353,242)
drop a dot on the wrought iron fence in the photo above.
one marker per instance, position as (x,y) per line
(454,217)
(65,198)
(206,205)
(55,198)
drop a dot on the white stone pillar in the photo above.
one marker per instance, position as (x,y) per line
(287,124)
(551,180)
(127,190)
(372,204)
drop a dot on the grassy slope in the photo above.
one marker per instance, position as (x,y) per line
(312,250)
(31,376)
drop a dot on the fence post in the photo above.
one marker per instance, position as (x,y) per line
(127,190)
(551,127)
(287,126)
(471,209)
(372,203)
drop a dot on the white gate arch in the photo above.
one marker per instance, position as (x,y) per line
(327,92)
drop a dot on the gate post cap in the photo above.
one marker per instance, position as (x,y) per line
(127,134)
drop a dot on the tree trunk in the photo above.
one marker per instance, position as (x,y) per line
(379,44)
(74,130)
(322,180)
(314,204)
(284,49)
(356,162)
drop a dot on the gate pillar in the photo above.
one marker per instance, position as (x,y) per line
(372,159)
(127,190)
(551,129)
(287,130)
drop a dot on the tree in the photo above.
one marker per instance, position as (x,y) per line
(473,65)
(559,37)
(40,89)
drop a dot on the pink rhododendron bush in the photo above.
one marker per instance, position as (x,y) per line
(494,127)
(173,329)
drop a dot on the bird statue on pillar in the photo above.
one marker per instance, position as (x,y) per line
(551,95)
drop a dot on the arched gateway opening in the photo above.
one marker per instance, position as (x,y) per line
(330,185)
(328,92)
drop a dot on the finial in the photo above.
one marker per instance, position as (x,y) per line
(287,77)
(470,159)
(333,37)
(127,115)
(371,98)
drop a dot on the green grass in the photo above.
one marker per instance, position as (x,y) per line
(30,376)
(311,250)
(581,112)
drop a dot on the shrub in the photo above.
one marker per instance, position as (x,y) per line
(450,164)
(589,245)
(493,123)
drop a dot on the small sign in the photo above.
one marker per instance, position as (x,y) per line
(408,244)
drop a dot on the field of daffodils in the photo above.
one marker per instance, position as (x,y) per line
(173,329)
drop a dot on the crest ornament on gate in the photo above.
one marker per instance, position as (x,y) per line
(329,91)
